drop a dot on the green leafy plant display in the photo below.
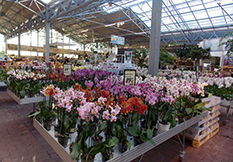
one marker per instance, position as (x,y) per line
(166,58)
(228,43)
(141,56)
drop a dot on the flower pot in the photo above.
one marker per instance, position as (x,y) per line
(63,141)
(89,159)
(107,156)
(57,130)
(48,125)
(72,129)
(163,127)
(95,142)
(122,147)
(107,136)
(92,129)
(137,141)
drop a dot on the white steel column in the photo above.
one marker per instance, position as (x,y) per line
(31,41)
(5,39)
(155,37)
(38,42)
(19,45)
(47,28)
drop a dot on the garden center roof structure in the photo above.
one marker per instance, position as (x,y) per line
(85,21)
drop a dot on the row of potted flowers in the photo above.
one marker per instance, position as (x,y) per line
(108,107)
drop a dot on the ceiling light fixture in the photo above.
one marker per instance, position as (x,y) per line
(109,25)
(119,24)
(140,33)
(83,31)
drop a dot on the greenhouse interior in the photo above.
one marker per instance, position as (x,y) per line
(116,80)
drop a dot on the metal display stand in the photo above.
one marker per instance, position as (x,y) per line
(146,146)
(24,100)
(59,149)
(133,153)
(229,105)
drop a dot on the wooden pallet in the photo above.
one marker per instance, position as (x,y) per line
(197,144)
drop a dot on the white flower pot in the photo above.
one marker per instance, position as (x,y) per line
(163,127)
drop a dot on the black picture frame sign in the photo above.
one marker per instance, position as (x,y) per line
(129,77)
(67,68)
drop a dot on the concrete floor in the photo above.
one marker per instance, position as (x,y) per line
(20,142)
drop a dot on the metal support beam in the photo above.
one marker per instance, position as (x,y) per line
(155,37)
(19,43)
(136,20)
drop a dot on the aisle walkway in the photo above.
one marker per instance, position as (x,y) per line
(20,142)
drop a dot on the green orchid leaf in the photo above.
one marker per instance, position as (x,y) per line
(22,93)
(35,114)
(132,131)
(149,133)
(100,147)
(167,114)
(199,105)
(128,144)
(120,133)
(188,110)
(113,141)
(75,151)
(66,123)
(143,138)
(152,142)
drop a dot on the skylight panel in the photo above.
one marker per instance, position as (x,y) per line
(205,23)
(136,9)
(218,21)
(193,25)
(145,7)
(164,29)
(46,1)
(167,20)
(197,7)
(178,1)
(188,17)
(184,10)
(200,15)
(214,12)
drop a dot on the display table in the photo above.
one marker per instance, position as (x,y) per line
(59,149)
(131,154)
(24,100)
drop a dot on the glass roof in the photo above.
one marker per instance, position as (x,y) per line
(46,1)
(182,15)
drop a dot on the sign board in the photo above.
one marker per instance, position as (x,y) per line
(128,57)
(67,69)
(129,77)
(117,40)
